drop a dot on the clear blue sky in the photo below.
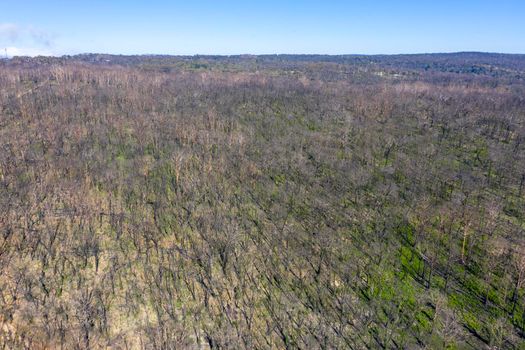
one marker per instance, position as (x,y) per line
(257,27)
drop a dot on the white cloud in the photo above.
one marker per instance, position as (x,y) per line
(20,40)
(26,51)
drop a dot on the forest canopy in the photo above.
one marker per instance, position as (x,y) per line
(260,202)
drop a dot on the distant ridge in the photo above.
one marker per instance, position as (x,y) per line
(480,63)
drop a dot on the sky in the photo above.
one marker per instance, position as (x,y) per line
(226,27)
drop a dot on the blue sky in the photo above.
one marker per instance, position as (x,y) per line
(258,27)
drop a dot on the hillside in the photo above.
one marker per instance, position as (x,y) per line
(262,202)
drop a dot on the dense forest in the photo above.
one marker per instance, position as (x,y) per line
(262,202)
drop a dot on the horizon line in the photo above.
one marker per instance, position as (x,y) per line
(264,54)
